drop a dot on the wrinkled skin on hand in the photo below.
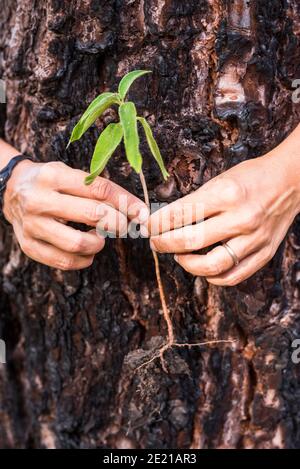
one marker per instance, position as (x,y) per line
(250,206)
(41,198)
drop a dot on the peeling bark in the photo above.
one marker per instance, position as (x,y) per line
(220,93)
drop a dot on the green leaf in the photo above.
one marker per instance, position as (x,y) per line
(128,79)
(154,147)
(95,109)
(95,103)
(107,143)
(128,118)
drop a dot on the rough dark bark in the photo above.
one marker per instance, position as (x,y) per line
(220,93)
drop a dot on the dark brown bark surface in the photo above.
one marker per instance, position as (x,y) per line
(220,93)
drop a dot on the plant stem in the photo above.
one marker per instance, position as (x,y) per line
(166,312)
(171,342)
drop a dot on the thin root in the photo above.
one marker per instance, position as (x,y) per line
(166,313)
(168,346)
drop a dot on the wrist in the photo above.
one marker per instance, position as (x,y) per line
(286,158)
(294,179)
(7,178)
(291,159)
(18,170)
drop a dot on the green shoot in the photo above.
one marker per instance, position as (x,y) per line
(95,110)
(128,118)
(113,135)
(108,142)
(127,81)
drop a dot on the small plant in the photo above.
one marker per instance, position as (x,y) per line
(113,134)
(108,142)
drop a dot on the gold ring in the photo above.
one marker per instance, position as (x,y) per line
(232,254)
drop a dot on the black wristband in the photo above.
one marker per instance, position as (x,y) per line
(5,174)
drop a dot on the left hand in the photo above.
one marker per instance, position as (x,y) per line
(250,207)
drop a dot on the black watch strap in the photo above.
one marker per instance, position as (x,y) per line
(5,174)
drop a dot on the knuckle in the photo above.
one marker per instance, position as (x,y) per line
(43,173)
(176,215)
(48,171)
(231,190)
(65,263)
(27,201)
(78,244)
(214,268)
(92,213)
(156,245)
(229,281)
(172,217)
(55,165)
(101,189)
(27,226)
(190,241)
(251,220)
(233,281)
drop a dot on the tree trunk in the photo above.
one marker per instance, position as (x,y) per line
(220,92)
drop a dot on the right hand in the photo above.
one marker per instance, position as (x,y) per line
(41,198)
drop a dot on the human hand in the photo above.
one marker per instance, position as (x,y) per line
(250,206)
(41,198)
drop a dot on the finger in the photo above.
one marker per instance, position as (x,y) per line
(64,237)
(248,267)
(185,211)
(112,222)
(71,181)
(81,210)
(194,237)
(218,260)
(51,256)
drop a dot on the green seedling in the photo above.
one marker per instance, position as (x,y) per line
(127,130)
(113,134)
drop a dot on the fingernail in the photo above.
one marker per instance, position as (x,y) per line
(143,215)
(176,258)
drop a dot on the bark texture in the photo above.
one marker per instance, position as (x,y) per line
(220,93)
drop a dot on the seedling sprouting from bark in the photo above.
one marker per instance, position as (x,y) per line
(108,142)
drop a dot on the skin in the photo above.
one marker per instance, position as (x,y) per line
(250,206)
(41,198)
